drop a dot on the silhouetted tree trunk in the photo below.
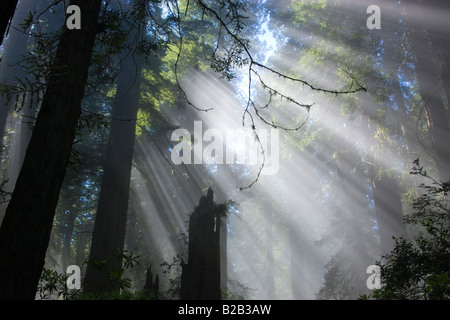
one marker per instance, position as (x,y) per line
(7,9)
(67,227)
(110,221)
(270,264)
(352,204)
(26,228)
(297,263)
(200,278)
(151,287)
(223,255)
(389,212)
(82,238)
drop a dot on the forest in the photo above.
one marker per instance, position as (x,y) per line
(224,150)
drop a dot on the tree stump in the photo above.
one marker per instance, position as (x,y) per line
(151,287)
(200,278)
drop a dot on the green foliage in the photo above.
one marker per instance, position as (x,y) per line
(128,261)
(53,285)
(172,272)
(235,291)
(28,88)
(156,93)
(116,277)
(419,269)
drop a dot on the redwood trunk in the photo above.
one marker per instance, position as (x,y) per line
(26,228)
(110,222)
(389,212)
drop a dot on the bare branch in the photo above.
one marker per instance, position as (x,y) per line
(240,47)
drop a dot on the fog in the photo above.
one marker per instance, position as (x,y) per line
(324,180)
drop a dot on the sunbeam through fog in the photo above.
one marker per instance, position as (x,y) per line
(305,121)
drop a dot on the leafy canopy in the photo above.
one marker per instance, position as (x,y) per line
(419,269)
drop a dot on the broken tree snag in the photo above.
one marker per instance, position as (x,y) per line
(151,287)
(200,278)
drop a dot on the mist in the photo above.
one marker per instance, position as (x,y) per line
(309,141)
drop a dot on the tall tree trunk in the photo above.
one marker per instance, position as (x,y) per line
(83,238)
(389,212)
(26,228)
(298,255)
(439,31)
(110,222)
(427,73)
(388,207)
(7,9)
(354,257)
(67,233)
(269,257)
(393,54)
(223,254)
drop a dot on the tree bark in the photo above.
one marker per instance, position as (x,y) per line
(26,228)
(110,222)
